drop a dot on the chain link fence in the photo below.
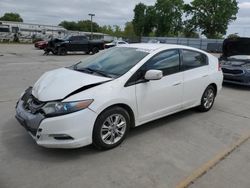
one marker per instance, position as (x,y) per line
(210,45)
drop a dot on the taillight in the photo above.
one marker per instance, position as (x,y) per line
(219,66)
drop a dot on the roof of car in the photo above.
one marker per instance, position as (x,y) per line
(150,47)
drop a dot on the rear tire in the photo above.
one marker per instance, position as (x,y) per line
(111,128)
(54,52)
(207,99)
(62,51)
(95,50)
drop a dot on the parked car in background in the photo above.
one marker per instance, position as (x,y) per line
(235,61)
(98,100)
(214,47)
(78,43)
(115,43)
(41,44)
(154,41)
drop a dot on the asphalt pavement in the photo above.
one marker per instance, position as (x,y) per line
(159,154)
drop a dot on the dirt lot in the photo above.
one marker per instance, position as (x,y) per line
(159,154)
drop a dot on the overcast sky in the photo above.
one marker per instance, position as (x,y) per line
(108,12)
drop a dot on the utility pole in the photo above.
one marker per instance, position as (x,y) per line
(91,16)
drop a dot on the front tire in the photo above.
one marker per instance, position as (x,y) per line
(207,99)
(111,128)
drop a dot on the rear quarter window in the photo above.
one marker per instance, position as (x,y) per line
(192,59)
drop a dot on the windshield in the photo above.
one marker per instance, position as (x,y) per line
(66,37)
(113,62)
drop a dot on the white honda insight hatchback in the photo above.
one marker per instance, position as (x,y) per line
(98,100)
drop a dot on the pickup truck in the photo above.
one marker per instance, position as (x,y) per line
(78,43)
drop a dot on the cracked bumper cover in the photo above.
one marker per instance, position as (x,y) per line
(78,125)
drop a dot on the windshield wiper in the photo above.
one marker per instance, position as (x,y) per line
(92,71)
(87,70)
(100,72)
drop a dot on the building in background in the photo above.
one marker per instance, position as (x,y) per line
(27,32)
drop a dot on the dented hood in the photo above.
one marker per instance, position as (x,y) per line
(59,83)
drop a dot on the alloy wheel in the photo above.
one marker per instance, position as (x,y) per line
(113,129)
(208,98)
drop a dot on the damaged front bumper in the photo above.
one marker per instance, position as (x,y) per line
(28,120)
(67,131)
(26,115)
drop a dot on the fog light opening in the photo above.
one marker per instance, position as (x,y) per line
(61,137)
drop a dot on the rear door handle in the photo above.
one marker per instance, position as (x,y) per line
(205,76)
(179,83)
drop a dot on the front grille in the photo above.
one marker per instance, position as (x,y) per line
(232,71)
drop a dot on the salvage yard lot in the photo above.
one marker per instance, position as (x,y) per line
(159,154)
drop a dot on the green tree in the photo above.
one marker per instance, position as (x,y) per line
(107,29)
(189,31)
(169,17)
(15,17)
(233,36)
(129,30)
(85,25)
(69,25)
(149,20)
(212,17)
(117,31)
(82,25)
(139,18)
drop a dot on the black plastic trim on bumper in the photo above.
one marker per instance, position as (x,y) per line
(236,82)
(29,121)
(22,122)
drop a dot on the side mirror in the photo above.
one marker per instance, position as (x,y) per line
(153,75)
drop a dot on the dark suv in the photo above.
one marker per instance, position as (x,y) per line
(78,43)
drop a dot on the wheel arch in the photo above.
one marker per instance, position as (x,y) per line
(215,87)
(127,108)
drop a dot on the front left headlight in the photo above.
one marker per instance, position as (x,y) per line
(62,108)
